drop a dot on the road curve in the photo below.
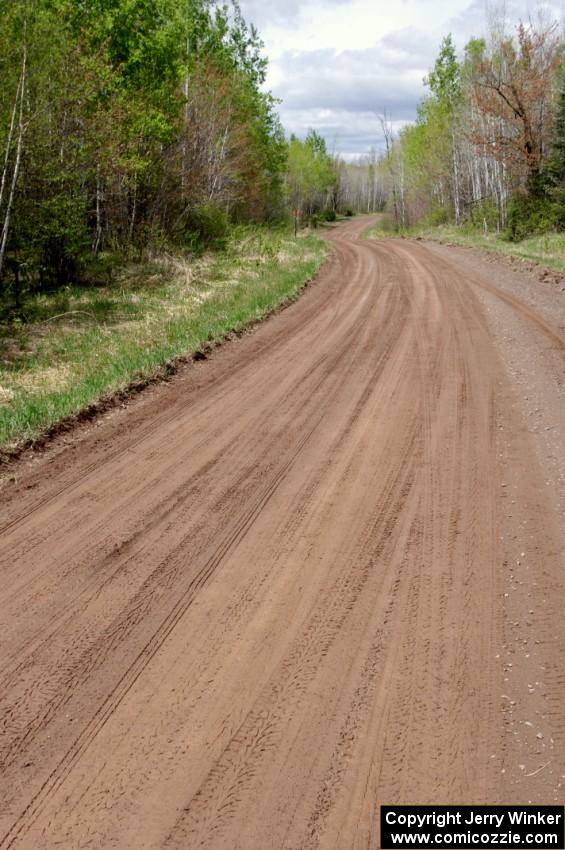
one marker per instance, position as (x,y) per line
(293,585)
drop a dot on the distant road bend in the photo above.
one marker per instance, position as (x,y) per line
(320,572)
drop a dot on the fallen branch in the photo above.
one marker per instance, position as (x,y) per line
(535,773)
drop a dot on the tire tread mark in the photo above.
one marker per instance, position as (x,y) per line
(120,691)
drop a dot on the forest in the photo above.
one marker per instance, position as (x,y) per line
(488,146)
(126,124)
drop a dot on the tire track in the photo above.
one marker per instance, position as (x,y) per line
(149,651)
(278,601)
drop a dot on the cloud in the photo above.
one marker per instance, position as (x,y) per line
(360,80)
(341,93)
(410,46)
(268,13)
(376,94)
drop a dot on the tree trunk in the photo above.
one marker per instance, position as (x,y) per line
(9,142)
(17,163)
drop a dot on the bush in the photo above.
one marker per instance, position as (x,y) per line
(50,239)
(330,215)
(349,213)
(210,223)
(530,214)
(438,216)
(484,214)
(387,224)
(557,196)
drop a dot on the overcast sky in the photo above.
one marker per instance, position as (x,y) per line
(336,64)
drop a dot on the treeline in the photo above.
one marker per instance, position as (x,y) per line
(320,185)
(128,123)
(488,145)
(362,184)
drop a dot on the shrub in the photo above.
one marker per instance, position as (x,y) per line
(484,214)
(530,214)
(438,216)
(210,223)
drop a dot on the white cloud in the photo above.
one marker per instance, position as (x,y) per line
(356,81)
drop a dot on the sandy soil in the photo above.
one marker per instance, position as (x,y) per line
(318,572)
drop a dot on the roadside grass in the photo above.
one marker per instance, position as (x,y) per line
(82,344)
(547,249)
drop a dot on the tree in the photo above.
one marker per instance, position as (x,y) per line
(394,163)
(9,182)
(444,81)
(556,161)
(311,173)
(515,86)
(483,144)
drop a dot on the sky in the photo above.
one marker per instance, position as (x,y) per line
(337,65)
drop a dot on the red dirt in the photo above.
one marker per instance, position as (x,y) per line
(318,572)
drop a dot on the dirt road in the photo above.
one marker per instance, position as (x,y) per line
(319,572)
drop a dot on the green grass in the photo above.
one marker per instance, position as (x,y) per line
(546,249)
(82,344)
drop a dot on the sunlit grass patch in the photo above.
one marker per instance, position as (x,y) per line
(546,249)
(82,344)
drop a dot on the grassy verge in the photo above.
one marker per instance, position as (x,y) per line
(82,344)
(547,249)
